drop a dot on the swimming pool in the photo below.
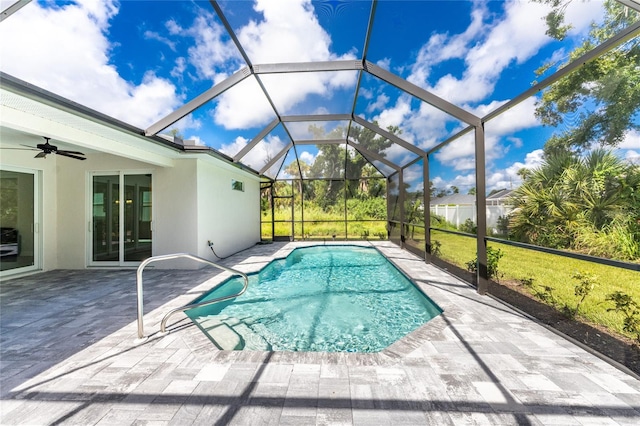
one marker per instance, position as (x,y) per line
(320,298)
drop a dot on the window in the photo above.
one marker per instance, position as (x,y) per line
(237,185)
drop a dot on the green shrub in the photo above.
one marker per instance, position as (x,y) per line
(630,309)
(469,227)
(435,248)
(586,283)
(493,258)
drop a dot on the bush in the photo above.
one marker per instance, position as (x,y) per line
(630,309)
(586,283)
(502,225)
(435,248)
(469,227)
(372,208)
(493,258)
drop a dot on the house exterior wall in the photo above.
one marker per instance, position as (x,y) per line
(175,219)
(192,203)
(74,193)
(228,218)
(47,176)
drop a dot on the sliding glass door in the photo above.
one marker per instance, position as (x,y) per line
(19,220)
(121,225)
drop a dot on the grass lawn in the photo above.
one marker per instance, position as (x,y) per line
(319,225)
(553,271)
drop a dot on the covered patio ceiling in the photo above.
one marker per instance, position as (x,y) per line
(270,103)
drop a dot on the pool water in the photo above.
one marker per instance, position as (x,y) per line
(321,298)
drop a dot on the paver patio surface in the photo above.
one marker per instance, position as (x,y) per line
(67,356)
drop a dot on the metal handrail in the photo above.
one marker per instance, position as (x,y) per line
(139,287)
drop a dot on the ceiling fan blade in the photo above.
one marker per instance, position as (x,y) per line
(70,152)
(22,149)
(28,146)
(41,155)
(67,154)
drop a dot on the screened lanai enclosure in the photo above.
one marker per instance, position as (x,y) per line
(359,114)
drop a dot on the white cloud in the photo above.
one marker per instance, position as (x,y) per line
(515,38)
(442,47)
(384,63)
(631,140)
(152,35)
(209,54)
(460,154)
(308,157)
(505,44)
(462,147)
(68,54)
(396,115)
(243,106)
(520,117)
(234,147)
(259,155)
(275,38)
(632,157)
(380,103)
(508,178)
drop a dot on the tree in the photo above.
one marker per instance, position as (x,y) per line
(602,97)
(472,191)
(455,189)
(588,203)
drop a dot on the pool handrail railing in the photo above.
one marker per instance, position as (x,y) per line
(139,288)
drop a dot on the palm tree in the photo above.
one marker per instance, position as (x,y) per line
(570,199)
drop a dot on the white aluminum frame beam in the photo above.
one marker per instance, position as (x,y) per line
(263,134)
(321,142)
(198,101)
(384,133)
(633,4)
(319,66)
(275,159)
(451,139)
(369,154)
(420,93)
(623,36)
(13,8)
(316,117)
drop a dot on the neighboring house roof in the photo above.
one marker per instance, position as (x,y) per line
(503,193)
(458,199)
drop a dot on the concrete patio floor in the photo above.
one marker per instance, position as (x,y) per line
(67,356)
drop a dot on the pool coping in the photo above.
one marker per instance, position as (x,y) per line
(205,349)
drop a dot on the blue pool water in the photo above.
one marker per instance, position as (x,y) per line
(321,298)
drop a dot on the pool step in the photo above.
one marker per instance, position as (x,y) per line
(232,334)
(223,336)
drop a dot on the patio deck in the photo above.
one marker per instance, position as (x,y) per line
(67,357)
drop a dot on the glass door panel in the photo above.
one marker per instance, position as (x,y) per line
(137,217)
(106,218)
(18,246)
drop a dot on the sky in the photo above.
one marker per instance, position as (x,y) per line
(140,60)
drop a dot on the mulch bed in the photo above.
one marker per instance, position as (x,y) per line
(618,348)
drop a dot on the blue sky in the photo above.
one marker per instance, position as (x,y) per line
(140,60)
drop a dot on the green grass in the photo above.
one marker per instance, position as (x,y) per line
(554,271)
(319,225)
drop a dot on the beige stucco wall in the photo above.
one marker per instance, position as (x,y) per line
(73,212)
(192,203)
(228,218)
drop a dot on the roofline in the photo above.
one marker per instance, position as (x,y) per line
(36,93)
(33,92)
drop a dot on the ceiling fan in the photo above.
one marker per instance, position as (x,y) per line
(46,149)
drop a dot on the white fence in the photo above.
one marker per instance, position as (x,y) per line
(457,214)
